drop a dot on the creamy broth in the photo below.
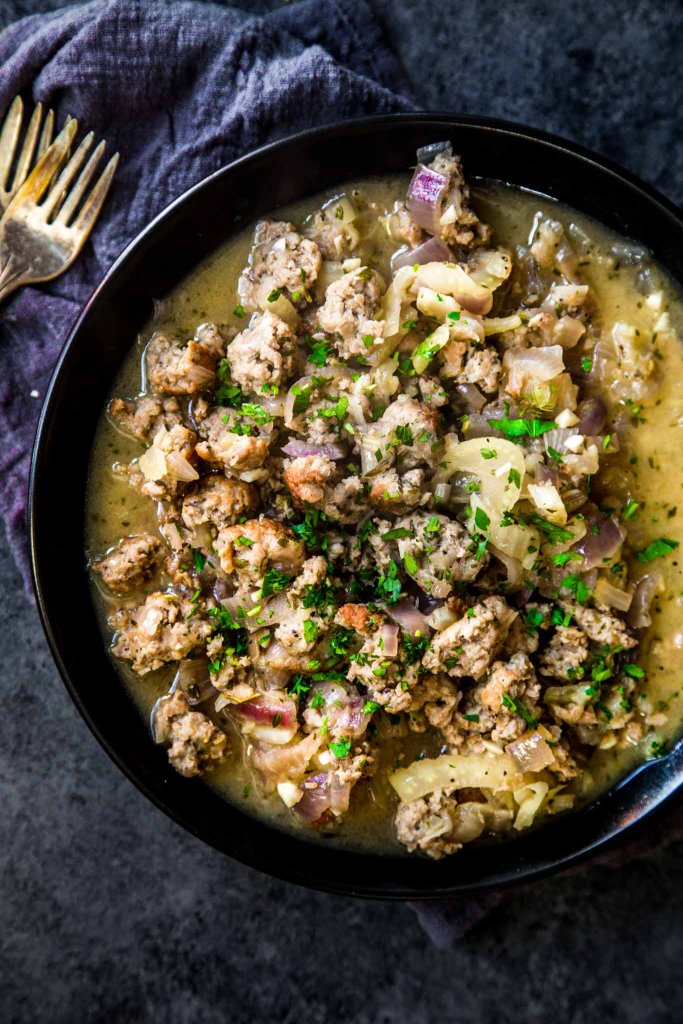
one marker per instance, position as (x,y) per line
(650,453)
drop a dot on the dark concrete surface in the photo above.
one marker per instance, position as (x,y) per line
(109,912)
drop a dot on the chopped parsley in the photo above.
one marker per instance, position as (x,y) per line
(396,534)
(319,597)
(656,549)
(555,534)
(239,310)
(370,706)
(339,641)
(634,671)
(199,560)
(227,393)
(481,519)
(520,709)
(298,685)
(414,647)
(275,295)
(389,585)
(307,529)
(519,428)
(341,748)
(310,631)
(320,351)
(577,587)
(411,565)
(630,509)
(403,435)
(273,582)
(488,453)
(566,556)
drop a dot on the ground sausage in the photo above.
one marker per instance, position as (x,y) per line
(195,744)
(130,563)
(263,354)
(160,630)
(349,313)
(179,369)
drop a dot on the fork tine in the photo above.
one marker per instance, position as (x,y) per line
(77,192)
(40,177)
(9,136)
(46,134)
(59,190)
(93,204)
(26,155)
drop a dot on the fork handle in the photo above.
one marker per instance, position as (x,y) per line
(12,273)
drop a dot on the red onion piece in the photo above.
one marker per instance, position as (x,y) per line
(266,707)
(646,589)
(343,709)
(316,800)
(194,680)
(596,547)
(556,438)
(425,198)
(410,619)
(340,795)
(592,417)
(544,474)
(220,589)
(300,449)
(389,637)
(472,396)
(431,251)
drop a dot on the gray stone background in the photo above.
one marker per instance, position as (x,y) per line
(109,912)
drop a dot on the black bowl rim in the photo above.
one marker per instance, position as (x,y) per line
(665,773)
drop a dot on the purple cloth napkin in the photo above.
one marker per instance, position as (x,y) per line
(180,89)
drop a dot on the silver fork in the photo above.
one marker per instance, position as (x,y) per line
(40,240)
(29,153)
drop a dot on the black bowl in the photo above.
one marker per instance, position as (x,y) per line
(170,247)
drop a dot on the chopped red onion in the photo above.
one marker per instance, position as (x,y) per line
(556,438)
(300,449)
(598,547)
(316,798)
(389,637)
(267,707)
(471,396)
(194,680)
(425,198)
(431,251)
(592,417)
(340,795)
(220,589)
(647,588)
(545,474)
(410,619)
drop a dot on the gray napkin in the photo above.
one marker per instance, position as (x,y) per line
(180,89)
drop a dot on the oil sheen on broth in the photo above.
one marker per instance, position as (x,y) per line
(653,453)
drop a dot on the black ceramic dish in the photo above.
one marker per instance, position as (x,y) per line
(170,247)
